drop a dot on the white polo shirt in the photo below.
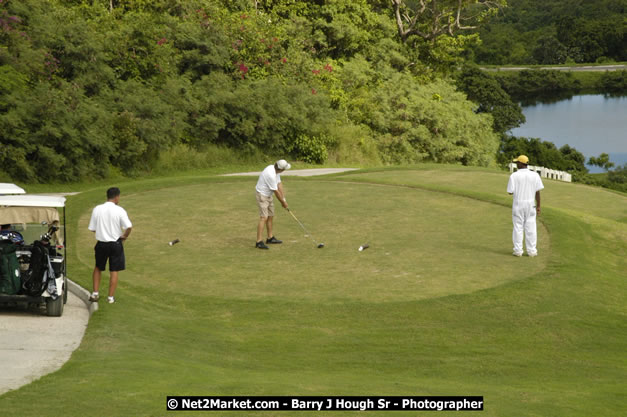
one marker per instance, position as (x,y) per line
(524,184)
(109,221)
(268,181)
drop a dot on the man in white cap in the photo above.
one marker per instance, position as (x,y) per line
(269,183)
(525,185)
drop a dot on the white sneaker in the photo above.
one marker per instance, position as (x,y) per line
(517,254)
(532,255)
(111,300)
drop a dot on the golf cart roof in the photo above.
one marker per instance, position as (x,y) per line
(32,200)
(30,208)
(8,188)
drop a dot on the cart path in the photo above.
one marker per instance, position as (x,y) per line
(33,344)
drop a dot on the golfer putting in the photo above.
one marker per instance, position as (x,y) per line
(268,185)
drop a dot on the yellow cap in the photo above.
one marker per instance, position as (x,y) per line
(522,158)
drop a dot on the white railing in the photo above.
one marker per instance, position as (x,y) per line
(546,172)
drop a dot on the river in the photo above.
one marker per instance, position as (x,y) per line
(592,124)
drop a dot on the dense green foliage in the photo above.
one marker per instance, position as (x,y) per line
(487,92)
(538,84)
(566,158)
(555,32)
(614,82)
(90,88)
(615,179)
(602,161)
(543,153)
(532,85)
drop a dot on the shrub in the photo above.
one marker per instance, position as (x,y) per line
(613,82)
(183,157)
(542,153)
(309,149)
(415,122)
(354,144)
(263,114)
(538,83)
(484,90)
(617,178)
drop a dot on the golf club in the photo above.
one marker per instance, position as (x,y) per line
(318,245)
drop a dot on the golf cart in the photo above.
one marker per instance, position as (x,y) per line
(32,251)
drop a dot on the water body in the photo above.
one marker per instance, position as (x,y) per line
(592,124)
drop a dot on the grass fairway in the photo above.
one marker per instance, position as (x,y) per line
(436,306)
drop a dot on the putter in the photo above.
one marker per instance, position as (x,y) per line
(318,245)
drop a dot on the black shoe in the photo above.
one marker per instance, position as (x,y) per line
(261,245)
(273,240)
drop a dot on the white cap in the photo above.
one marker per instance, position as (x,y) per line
(282,164)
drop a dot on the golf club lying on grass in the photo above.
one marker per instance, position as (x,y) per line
(318,245)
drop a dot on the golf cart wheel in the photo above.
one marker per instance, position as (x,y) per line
(65,290)
(54,308)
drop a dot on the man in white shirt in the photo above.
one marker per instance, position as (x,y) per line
(112,227)
(525,185)
(269,183)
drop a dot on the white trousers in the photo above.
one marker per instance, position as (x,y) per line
(524,219)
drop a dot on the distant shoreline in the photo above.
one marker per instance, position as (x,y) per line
(592,124)
(582,68)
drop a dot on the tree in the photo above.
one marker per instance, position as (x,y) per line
(542,153)
(573,159)
(491,98)
(550,51)
(602,161)
(415,122)
(617,178)
(430,19)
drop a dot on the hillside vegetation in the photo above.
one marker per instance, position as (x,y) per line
(94,88)
(555,32)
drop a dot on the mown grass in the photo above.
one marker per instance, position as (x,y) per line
(436,306)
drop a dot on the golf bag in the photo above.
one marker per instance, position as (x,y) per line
(9,268)
(40,274)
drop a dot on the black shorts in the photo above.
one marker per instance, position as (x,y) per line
(112,251)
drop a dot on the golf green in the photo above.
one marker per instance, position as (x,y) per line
(422,244)
(437,305)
